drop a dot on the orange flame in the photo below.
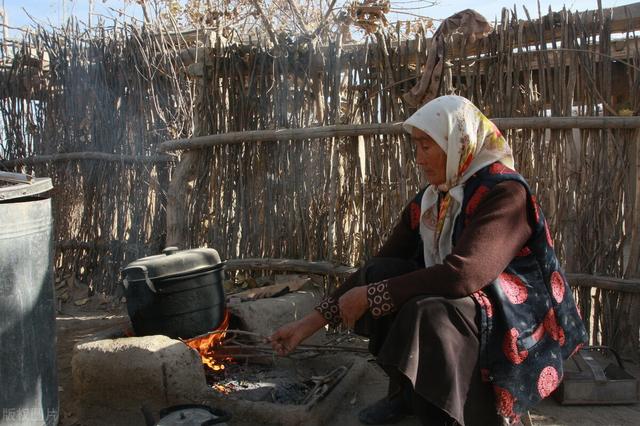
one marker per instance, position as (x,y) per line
(222,389)
(206,345)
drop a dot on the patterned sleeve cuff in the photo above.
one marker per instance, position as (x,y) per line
(379,298)
(330,310)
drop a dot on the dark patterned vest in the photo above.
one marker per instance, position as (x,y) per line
(529,320)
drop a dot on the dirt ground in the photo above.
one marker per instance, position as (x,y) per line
(81,324)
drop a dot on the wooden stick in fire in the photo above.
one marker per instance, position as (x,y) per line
(219,352)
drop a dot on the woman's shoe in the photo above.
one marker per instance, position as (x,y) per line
(390,409)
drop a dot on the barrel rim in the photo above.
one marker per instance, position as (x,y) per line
(15,192)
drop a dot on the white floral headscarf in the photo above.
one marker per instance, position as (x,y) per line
(471,142)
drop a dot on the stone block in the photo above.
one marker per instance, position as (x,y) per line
(264,316)
(130,372)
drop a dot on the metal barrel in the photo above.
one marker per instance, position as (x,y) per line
(28,375)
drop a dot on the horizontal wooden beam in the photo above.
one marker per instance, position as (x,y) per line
(289,265)
(351,130)
(621,50)
(625,17)
(604,283)
(319,132)
(101,245)
(339,270)
(566,123)
(99,156)
(328,268)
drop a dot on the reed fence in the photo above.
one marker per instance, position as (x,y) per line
(123,91)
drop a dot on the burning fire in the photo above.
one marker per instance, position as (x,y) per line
(206,345)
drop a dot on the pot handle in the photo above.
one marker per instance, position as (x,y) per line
(145,271)
(168,251)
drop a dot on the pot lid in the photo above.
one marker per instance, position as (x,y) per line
(172,262)
(193,416)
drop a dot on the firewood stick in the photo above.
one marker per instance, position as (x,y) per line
(225,352)
(230,331)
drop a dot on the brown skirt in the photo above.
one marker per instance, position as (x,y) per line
(433,341)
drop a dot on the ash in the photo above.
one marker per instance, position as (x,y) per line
(270,383)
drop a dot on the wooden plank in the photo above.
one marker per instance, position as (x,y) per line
(353,130)
(620,14)
(620,23)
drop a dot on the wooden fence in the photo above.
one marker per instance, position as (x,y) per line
(88,110)
(327,198)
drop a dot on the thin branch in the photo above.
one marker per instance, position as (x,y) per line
(325,19)
(298,16)
(265,22)
(86,155)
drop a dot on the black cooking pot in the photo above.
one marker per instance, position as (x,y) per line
(178,293)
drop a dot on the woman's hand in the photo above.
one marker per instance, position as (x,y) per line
(288,337)
(353,304)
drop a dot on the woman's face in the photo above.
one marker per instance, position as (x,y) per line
(430,157)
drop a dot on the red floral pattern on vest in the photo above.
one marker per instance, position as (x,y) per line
(504,401)
(513,288)
(553,328)
(520,354)
(557,287)
(510,347)
(548,381)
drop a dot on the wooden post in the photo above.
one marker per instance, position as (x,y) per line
(335,169)
(178,196)
(183,179)
(633,264)
(625,336)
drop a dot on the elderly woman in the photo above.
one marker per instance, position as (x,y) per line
(465,305)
